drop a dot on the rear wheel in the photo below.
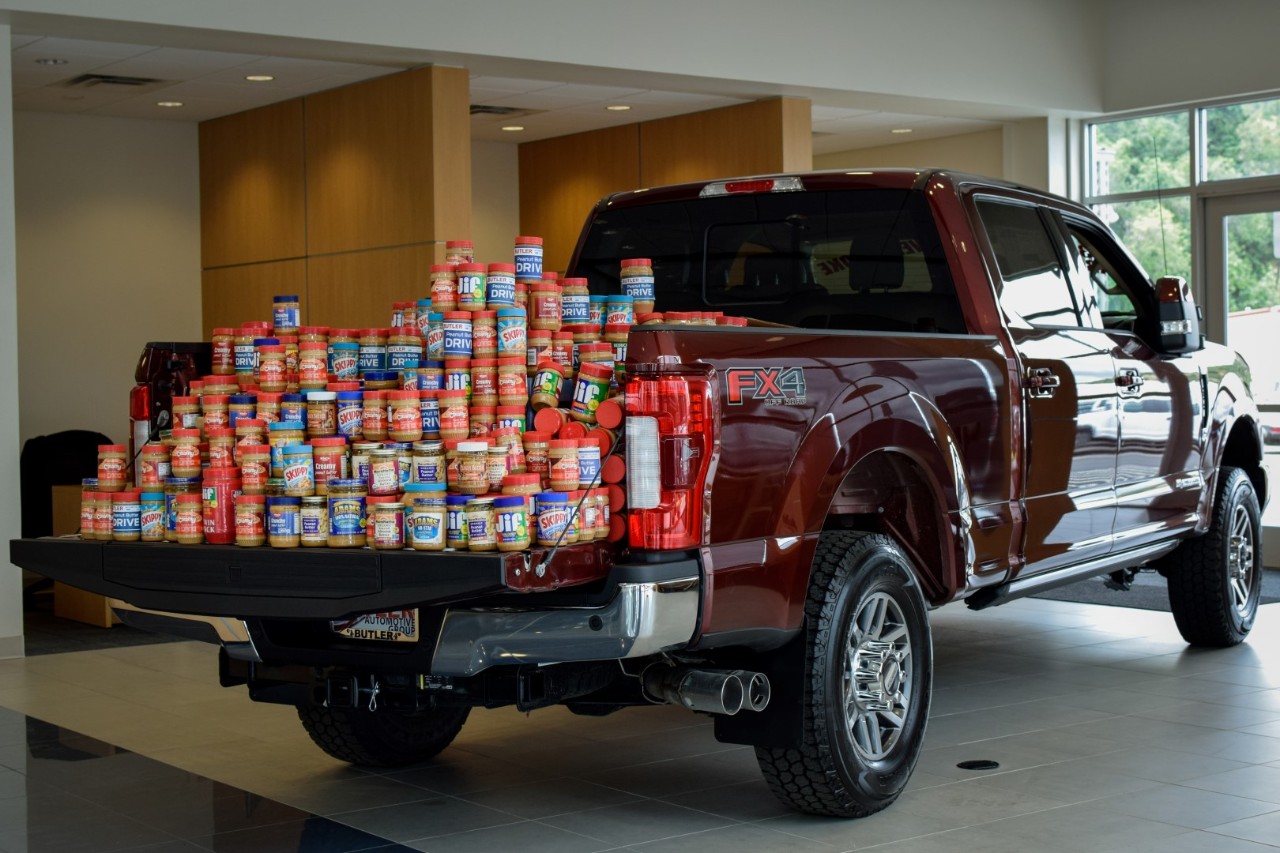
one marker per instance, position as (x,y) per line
(1215,580)
(867,682)
(382,738)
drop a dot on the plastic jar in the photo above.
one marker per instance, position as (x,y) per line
(482,420)
(428,463)
(347,513)
(588,463)
(455,414)
(255,468)
(313,334)
(637,282)
(103,517)
(404,348)
(562,453)
(384,471)
(473,467)
(547,385)
(284,521)
(186,412)
(222,447)
(597,310)
(562,349)
(484,334)
(434,349)
(174,488)
(153,464)
(188,519)
(279,436)
(373,350)
(500,286)
(484,381)
(126,515)
(512,332)
(246,357)
(422,317)
(553,518)
(511,523)
(591,388)
(313,365)
(272,373)
(509,439)
(544,306)
(292,409)
(457,334)
(537,449)
(496,466)
(330,458)
(513,383)
(313,520)
(620,310)
(88,493)
(456,522)
(269,407)
(345,360)
(459,251)
(444,287)
(575,302)
(350,414)
(251,529)
(322,413)
(457,375)
(299,470)
(471,287)
(249,431)
(525,486)
(385,528)
(429,408)
(286,315)
(224,352)
(215,408)
(425,512)
(482,534)
(184,456)
(150,516)
(528,257)
(241,406)
(219,489)
(113,465)
(404,416)
(360,451)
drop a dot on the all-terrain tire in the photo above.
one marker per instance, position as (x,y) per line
(1215,580)
(868,675)
(382,738)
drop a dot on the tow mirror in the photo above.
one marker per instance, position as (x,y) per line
(1179,316)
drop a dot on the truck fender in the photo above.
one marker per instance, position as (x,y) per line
(1233,438)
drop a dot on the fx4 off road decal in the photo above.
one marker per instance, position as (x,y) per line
(773,386)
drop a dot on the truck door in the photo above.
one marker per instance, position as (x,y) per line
(1159,398)
(1069,409)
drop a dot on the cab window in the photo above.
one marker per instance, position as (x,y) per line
(1034,289)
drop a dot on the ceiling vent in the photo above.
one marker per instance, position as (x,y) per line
(88,81)
(501,112)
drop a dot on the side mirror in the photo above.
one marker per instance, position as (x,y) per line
(1179,316)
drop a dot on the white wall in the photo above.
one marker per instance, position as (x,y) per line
(108,237)
(495,200)
(10,445)
(980,153)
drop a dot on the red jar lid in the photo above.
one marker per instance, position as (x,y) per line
(313,345)
(342,386)
(188,499)
(269,397)
(528,241)
(457,363)
(646,318)
(221,432)
(562,336)
(224,331)
(427,394)
(484,315)
(407,331)
(457,315)
(596,369)
(548,364)
(127,496)
(598,346)
(517,480)
(510,410)
(402,305)
(374,333)
(376,396)
(452,393)
(216,399)
(573,282)
(177,433)
(255,448)
(470,267)
(573,430)
(251,499)
(443,267)
(398,395)
(483,363)
(563,443)
(500,267)
(343,333)
(229,474)
(251,423)
(458,244)
(619,328)
(185,401)
(637,262)
(382,499)
(323,441)
(313,330)
(548,275)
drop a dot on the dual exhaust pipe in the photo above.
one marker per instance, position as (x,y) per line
(714,691)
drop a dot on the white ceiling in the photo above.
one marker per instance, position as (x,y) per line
(212,83)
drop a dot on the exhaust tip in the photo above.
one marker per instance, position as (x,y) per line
(758,690)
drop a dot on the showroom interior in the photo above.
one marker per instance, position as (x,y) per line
(130,211)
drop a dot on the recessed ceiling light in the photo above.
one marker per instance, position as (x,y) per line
(514,127)
(618,108)
(901,130)
(168,103)
(260,78)
(51,62)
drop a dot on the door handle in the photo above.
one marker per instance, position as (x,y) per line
(1042,382)
(1130,382)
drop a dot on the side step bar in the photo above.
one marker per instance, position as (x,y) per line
(1032,584)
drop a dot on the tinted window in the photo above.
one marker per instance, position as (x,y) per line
(1117,296)
(849,259)
(1034,289)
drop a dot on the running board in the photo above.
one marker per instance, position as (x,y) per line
(1022,587)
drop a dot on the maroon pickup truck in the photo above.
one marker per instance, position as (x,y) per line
(952,389)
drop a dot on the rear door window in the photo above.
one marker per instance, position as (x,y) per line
(1034,289)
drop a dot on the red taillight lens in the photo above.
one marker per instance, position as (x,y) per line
(670,449)
(140,403)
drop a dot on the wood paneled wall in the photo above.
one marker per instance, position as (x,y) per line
(562,178)
(379,170)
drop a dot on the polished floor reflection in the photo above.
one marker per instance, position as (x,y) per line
(1109,735)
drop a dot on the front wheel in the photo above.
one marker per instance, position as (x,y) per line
(867,682)
(385,738)
(1215,580)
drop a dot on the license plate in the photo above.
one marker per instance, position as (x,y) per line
(392,626)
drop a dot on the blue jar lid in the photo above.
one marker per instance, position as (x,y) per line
(552,497)
(266,342)
(620,297)
(89,481)
(183,481)
(290,398)
(283,500)
(511,312)
(345,482)
(456,500)
(380,375)
(432,364)
(599,297)
(295,449)
(153,496)
(351,395)
(397,445)
(435,317)
(509,502)
(281,426)
(345,345)
(284,299)
(242,399)
(424,303)
(424,487)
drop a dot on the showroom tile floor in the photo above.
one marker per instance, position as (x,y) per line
(1109,733)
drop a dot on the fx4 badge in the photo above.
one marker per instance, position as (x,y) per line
(774,386)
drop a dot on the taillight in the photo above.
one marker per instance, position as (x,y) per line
(139,419)
(753,185)
(671,442)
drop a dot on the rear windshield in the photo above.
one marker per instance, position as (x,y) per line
(843,259)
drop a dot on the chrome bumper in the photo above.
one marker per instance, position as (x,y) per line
(232,633)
